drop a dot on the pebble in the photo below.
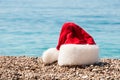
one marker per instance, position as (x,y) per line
(84,76)
(94,69)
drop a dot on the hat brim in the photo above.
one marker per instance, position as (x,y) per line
(74,54)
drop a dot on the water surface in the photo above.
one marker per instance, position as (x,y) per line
(29,27)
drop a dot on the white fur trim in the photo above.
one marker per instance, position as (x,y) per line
(50,55)
(74,54)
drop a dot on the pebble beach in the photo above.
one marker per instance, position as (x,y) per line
(32,68)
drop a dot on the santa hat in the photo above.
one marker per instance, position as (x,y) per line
(75,47)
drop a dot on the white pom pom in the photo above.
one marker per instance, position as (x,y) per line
(50,55)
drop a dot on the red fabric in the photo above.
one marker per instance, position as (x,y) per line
(71,33)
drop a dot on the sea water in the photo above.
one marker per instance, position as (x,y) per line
(29,27)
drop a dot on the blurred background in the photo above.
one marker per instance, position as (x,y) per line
(29,27)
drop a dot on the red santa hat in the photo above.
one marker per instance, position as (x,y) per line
(71,33)
(75,47)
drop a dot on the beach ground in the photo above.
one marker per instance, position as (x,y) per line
(32,68)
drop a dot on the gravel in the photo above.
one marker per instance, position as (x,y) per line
(32,68)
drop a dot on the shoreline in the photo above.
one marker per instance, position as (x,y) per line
(32,68)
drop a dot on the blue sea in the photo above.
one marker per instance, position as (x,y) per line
(29,27)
